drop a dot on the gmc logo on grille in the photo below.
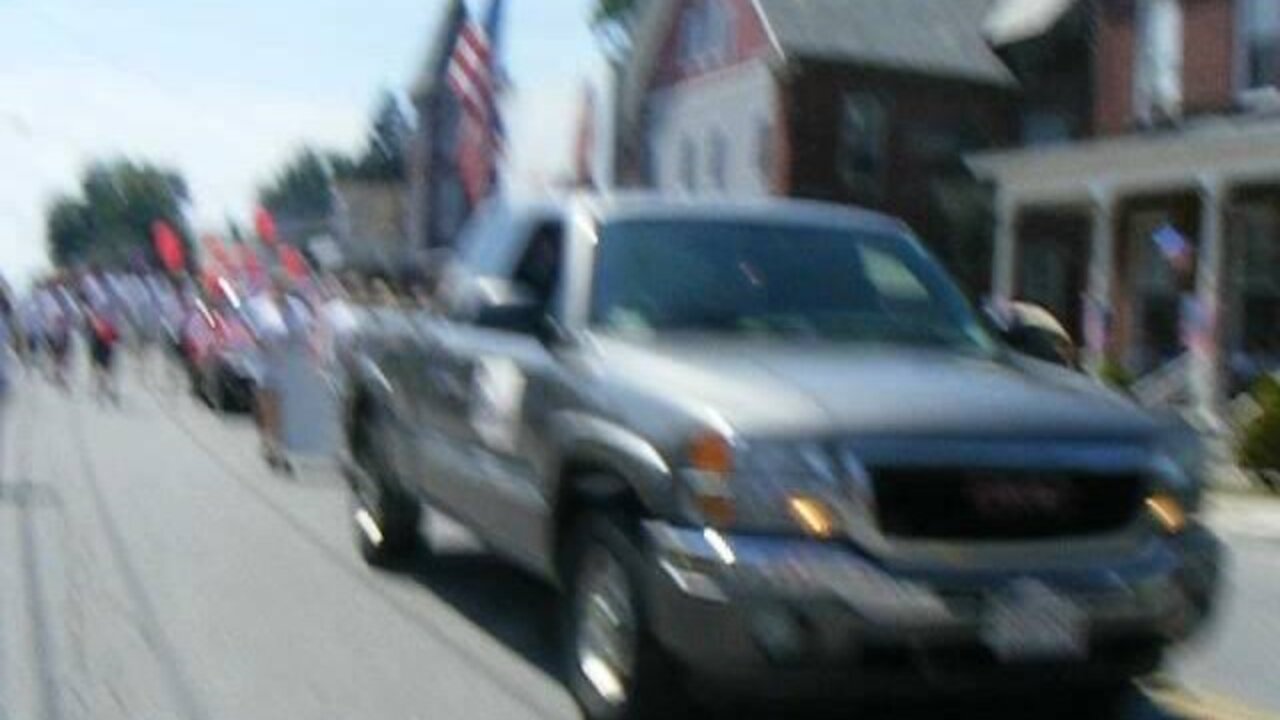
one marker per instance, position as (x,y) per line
(1014,498)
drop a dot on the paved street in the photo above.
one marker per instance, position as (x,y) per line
(1239,657)
(151,568)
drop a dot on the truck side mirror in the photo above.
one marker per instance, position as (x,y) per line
(1032,330)
(1040,343)
(513,314)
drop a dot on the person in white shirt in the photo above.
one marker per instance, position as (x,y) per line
(282,323)
(337,323)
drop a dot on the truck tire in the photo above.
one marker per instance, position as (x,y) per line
(385,516)
(616,669)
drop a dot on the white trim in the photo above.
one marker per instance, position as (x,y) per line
(697,82)
(769,31)
(1234,151)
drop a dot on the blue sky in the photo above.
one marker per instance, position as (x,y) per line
(225,89)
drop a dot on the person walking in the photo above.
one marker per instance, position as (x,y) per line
(283,323)
(104,336)
(55,322)
(7,337)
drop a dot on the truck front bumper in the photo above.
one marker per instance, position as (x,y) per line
(797,615)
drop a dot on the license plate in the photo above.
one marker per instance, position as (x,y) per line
(1029,621)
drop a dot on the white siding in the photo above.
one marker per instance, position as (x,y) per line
(738,105)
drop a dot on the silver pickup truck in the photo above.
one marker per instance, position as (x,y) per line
(769,448)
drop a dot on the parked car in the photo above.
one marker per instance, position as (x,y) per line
(769,448)
(222,359)
(195,341)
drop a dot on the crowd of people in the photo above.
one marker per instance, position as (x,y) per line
(292,324)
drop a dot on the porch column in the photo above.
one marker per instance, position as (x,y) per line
(1206,351)
(1098,314)
(1006,239)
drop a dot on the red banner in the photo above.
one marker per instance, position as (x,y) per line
(294,264)
(168,246)
(266,226)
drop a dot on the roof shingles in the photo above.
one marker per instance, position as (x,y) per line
(935,37)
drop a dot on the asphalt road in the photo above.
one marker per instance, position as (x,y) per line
(150,567)
(1239,658)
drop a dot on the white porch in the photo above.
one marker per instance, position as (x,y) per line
(1207,177)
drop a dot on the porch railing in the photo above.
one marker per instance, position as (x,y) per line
(1168,386)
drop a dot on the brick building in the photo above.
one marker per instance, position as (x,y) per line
(369,227)
(866,102)
(1182,160)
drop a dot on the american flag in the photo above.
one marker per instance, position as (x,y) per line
(472,78)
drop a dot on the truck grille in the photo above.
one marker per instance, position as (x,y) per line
(1002,505)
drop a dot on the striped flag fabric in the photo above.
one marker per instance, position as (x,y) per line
(472,78)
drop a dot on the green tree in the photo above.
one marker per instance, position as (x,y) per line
(613,22)
(1260,442)
(69,230)
(384,156)
(301,188)
(109,221)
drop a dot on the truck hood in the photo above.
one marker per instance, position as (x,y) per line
(787,388)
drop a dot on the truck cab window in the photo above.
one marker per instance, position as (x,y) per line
(539,268)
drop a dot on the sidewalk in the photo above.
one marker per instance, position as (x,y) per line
(1254,515)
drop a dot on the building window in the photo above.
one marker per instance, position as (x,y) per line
(688,165)
(707,36)
(765,151)
(1045,127)
(1158,85)
(1260,41)
(718,160)
(863,141)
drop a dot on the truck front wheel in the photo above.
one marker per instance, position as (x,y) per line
(615,667)
(385,515)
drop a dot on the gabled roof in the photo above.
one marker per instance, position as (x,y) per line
(1012,21)
(934,37)
(439,50)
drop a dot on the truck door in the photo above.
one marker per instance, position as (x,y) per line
(506,372)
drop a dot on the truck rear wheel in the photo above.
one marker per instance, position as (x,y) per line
(615,667)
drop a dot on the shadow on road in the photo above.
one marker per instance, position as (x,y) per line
(521,612)
(515,608)
(26,494)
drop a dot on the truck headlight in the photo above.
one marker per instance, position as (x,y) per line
(1168,512)
(780,486)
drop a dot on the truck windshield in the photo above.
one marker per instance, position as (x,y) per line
(797,280)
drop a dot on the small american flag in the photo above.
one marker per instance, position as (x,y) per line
(472,78)
(1174,247)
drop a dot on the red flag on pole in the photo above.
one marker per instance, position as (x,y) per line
(265,225)
(294,264)
(168,246)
